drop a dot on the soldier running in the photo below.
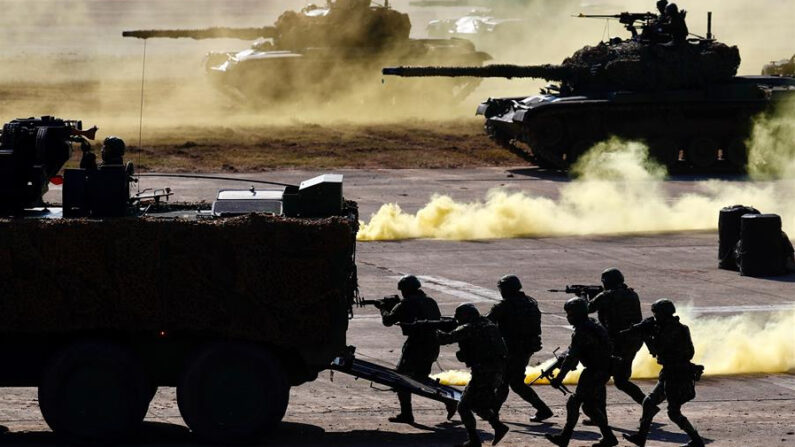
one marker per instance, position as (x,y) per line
(590,346)
(519,320)
(483,350)
(669,341)
(618,308)
(421,348)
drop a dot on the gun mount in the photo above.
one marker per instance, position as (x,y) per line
(681,98)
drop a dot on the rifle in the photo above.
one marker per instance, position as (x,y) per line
(627,19)
(645,328)
(583,291)
(387,302)
(444,324)
(547,373)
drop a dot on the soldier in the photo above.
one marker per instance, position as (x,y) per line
(618,308)
(483,350)
(669,341)
(113,151)
(421,347)
(675,25)
(590,346)
(519,320)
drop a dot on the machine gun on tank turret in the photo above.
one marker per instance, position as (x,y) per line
(629,20)
(265,32)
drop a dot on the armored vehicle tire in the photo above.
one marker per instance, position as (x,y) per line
(232,393)
(94,392)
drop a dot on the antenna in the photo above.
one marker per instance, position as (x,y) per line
(141,111)
(709,25)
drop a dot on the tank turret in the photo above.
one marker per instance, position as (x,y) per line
(343,23)
(614,66)
(328,51)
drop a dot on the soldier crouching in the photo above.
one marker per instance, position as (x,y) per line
(669,341)
(590,346)
(482,349)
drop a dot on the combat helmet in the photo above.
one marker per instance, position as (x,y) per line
(663,307)
(576,309)
(409,284)
(612,278)
(466,313)
(509,284)
(113,150)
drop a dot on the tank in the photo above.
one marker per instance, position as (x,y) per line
(684,100)
(784,67)
(325,52)
(486,28)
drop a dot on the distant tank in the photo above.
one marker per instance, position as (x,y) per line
(487,28)
(785,67)
(683,100)
(325,52)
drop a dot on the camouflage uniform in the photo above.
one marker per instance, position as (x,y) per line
(618,309)
(483,350)
(590,345)
(519,321)
(421,348)
(670,342)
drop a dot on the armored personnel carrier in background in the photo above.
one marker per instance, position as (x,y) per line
(684,100)
(784,67)
(486,28)
(110,295)
(326,52)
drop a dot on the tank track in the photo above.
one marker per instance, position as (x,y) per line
(701,137)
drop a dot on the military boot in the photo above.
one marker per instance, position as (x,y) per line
(473,441)
(695,438)
(542,415)
(559,439)
(639,439)
(500,430)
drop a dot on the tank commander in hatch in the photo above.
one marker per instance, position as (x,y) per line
(421,348)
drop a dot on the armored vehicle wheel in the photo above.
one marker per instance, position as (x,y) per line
(94,392)
(702,152)
(232,393)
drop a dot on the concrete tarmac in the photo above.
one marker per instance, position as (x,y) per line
(729,411)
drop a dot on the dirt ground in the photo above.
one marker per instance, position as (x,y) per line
(748,410)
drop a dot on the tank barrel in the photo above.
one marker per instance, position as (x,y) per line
(206,33)
(549,72)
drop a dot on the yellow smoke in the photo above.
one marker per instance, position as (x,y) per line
(751,343)
(772,145)
(619,190)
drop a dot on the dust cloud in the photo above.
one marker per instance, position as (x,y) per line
(743,344)
(67,58)
(619,190)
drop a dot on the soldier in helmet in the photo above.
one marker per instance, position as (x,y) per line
(421,347)
(675,25)
(618,308)
(519,320)
(669,341)
(590,345)
(113,151)
(483,350)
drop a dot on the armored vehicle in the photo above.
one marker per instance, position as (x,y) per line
(785,67)
(682,98)
(486,28)
(324,52)
(111,294)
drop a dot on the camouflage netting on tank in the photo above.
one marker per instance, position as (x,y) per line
(632,65)
(347,24)
(286,282)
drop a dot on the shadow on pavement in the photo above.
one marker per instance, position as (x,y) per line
(540,173)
